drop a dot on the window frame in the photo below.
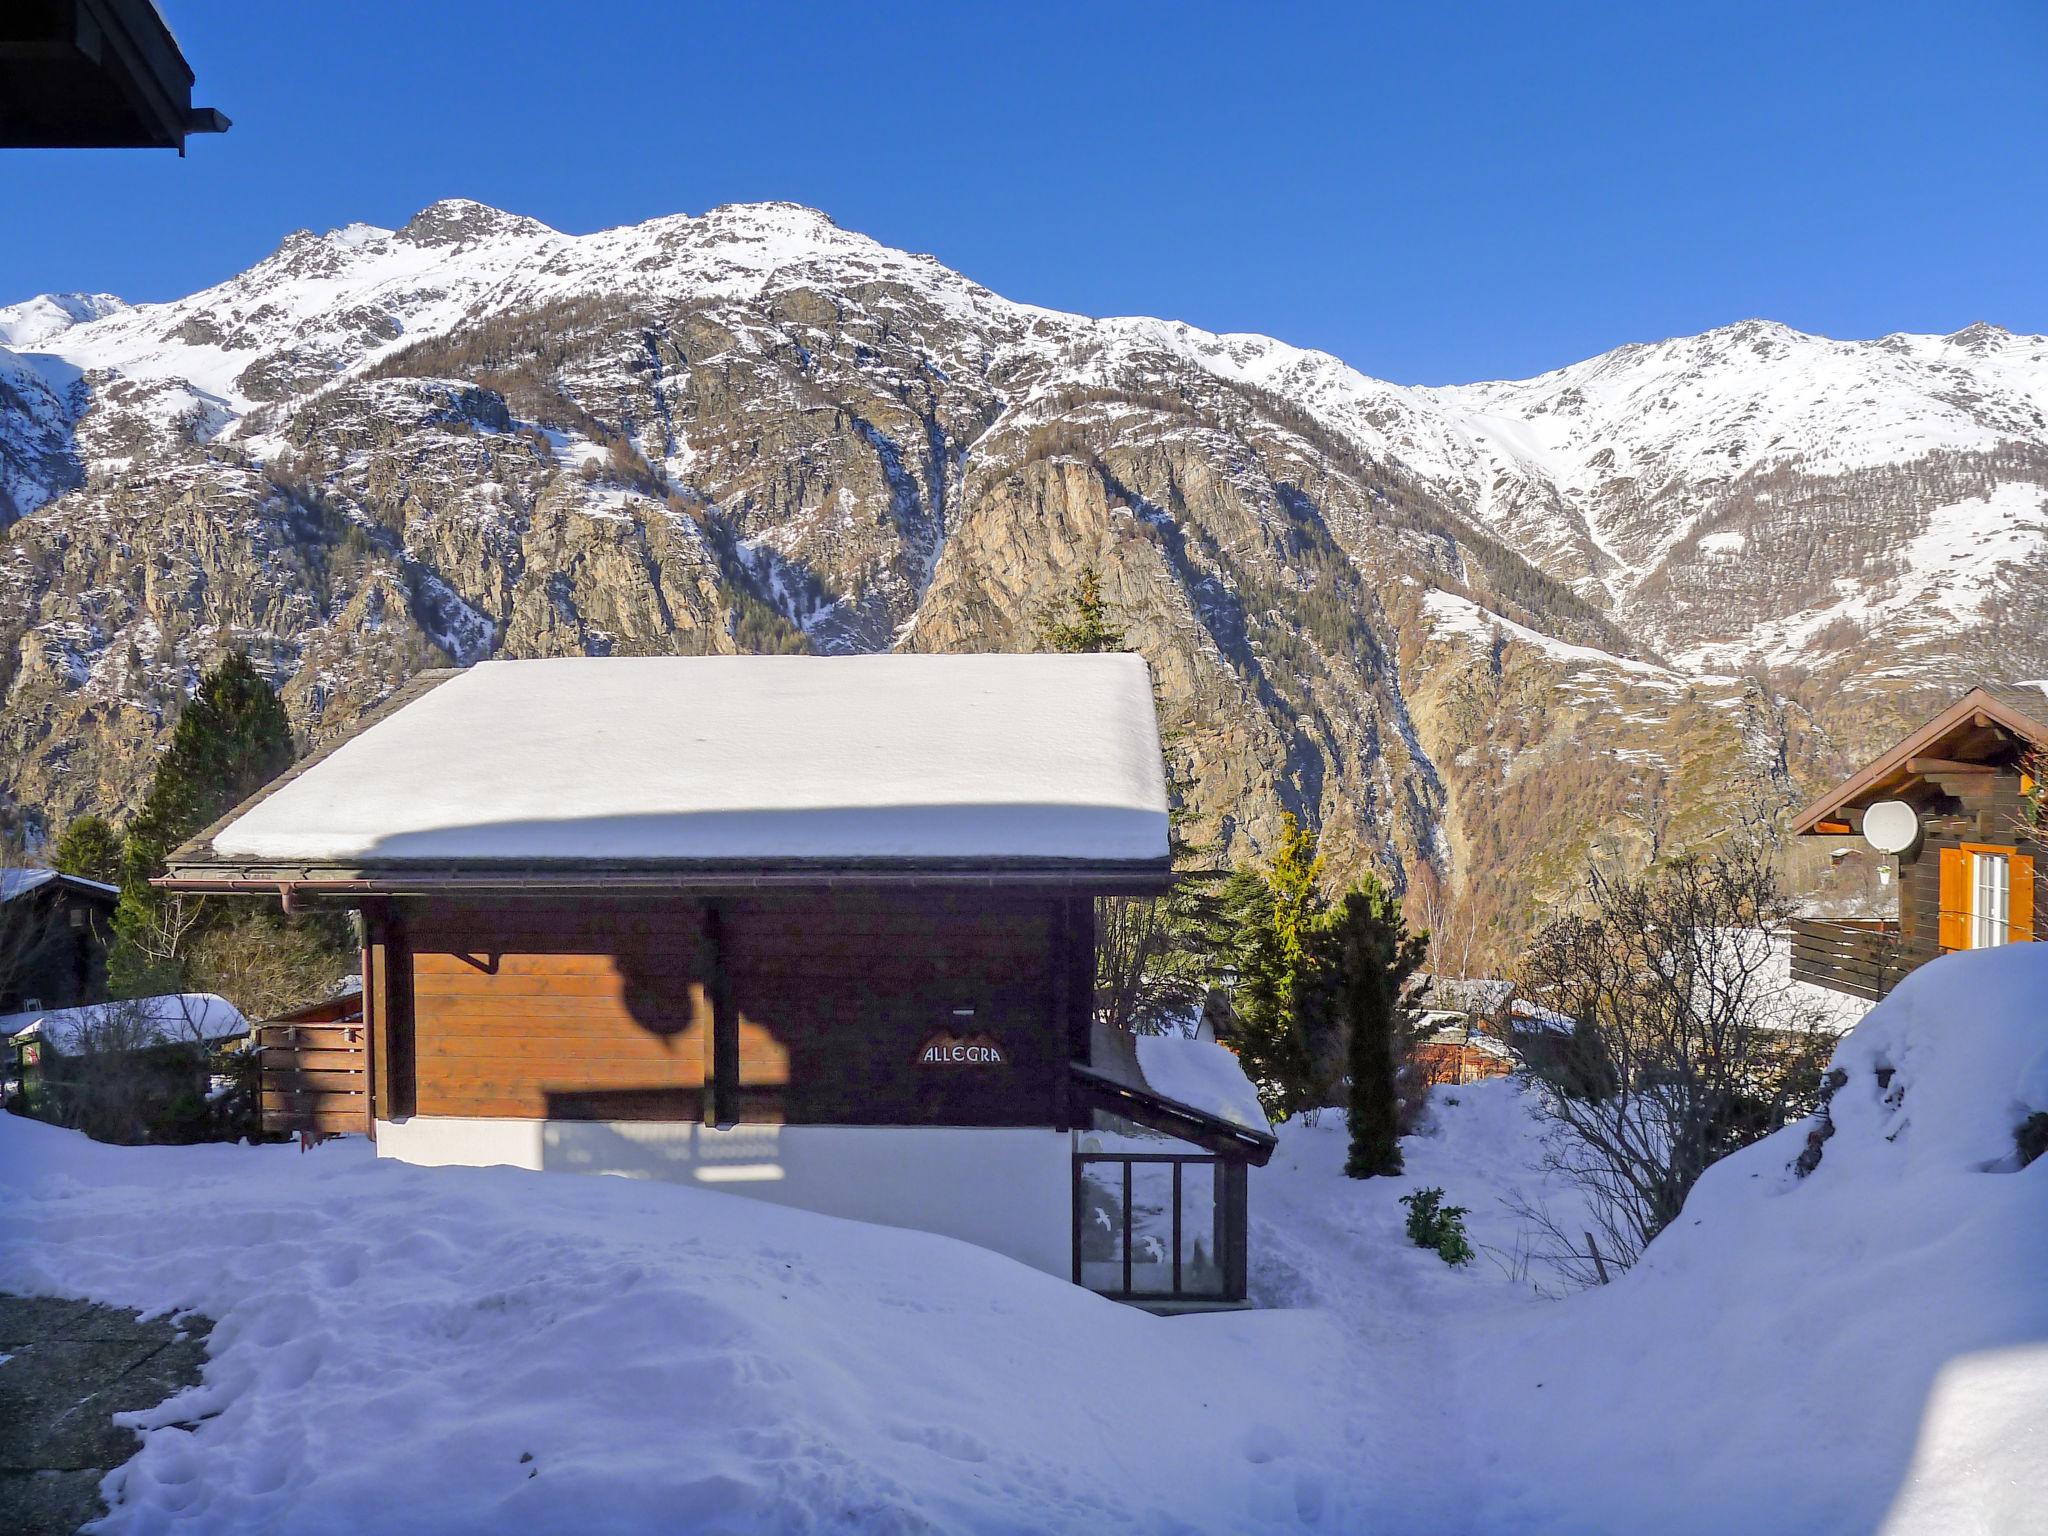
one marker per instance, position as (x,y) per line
(1229,1191)
(1989,929)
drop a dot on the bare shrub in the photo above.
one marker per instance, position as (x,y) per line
(143,1070)
(1689,1041)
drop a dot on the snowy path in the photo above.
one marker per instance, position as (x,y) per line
(1415,1417)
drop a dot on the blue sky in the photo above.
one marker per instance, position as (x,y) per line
(1433,192)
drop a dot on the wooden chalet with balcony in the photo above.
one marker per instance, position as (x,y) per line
(1958,805)
(812,930)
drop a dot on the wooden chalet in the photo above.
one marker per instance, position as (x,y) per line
(1957,806)
(814,930)
(54,933)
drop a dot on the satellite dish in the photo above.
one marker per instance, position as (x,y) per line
(1891,826)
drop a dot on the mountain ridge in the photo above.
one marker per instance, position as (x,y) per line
(1423,618)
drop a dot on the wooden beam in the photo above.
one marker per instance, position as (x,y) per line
(1073,999)
(376,1010)
(1946,765)
(404,1094)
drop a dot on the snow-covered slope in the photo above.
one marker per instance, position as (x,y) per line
(412,1349)
(34,322)
(323,305)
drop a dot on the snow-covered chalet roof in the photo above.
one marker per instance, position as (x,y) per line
(20,881)
(173,1017)
(731,761)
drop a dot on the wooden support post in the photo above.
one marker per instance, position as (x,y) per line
(1599,1264)
(403,1078)
(387,1011)
(1233,1199)
(1072,999)
(722,1084)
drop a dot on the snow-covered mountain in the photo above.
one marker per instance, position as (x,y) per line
(1413,614)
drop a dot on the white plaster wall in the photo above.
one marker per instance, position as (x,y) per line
(1010,1189)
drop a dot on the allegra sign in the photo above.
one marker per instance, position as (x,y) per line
(946,1049)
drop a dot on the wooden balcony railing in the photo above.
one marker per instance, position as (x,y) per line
(1864,957)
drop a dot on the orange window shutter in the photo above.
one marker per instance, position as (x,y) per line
(1955,899)
(2021,918)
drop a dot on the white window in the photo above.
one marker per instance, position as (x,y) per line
(1990,899)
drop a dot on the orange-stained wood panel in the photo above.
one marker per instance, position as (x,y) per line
(517,1003)
(575,1008)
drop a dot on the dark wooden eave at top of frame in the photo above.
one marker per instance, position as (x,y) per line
(95,74)
(651,877)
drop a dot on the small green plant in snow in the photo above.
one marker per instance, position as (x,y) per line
(1432,1224)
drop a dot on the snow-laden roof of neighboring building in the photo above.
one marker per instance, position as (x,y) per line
(1464,994)
(20,881)
(164,1020)
(738,759)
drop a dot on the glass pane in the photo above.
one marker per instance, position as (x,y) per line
(1152,1228)
(1991,896)
(1201,1231)
(1102,1225)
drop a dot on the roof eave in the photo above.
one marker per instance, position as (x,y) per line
(1173,1117)
(1867,779)
(568,877)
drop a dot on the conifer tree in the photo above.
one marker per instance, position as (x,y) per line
(89,848)
(231,740)
(1275,914)
(1081,620)
(1368,955)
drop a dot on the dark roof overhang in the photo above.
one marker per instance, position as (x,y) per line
(653,877)
(95,74)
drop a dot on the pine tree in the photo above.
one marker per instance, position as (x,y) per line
(89,848)
(1082,620)
(1368,956)
(231,740)
(1275,914)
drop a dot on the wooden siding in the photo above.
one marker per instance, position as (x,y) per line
(1981,810)
(848,985)
(1863,958)
(55,938)
(815,1002)
(1866,959)
(1453,1062)
(528,1009)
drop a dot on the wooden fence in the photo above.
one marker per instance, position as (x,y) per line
(315,1074)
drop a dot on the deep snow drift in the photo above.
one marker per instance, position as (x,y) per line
(1862,1349)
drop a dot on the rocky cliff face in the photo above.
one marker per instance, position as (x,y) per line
(1476,632)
